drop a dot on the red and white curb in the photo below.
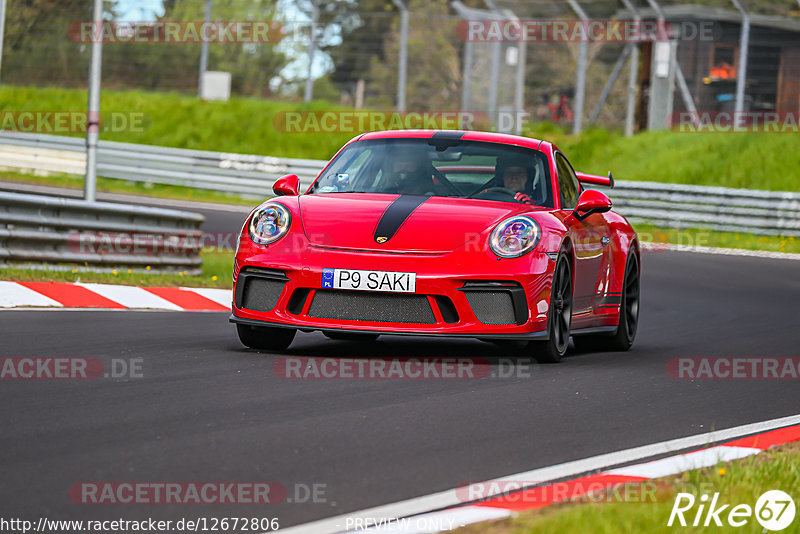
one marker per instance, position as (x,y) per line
(446,510)
(110,296)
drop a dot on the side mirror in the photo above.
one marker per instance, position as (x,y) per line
(287,185)
(590,202)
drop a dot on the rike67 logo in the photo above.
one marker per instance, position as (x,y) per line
(774,510)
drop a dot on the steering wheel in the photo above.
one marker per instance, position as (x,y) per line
(496,189)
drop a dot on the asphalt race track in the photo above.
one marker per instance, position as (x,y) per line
(206,409)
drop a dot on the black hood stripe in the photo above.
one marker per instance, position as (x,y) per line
(395,215)
(446,134)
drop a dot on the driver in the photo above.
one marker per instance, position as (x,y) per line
(515,177)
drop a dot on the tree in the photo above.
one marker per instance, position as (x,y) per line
(434,75)
(153,66)
(37,47)
(363,38)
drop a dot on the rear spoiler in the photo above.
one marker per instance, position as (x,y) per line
(594,179)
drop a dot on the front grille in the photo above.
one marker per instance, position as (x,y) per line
(492,307)
(377,307)
(261,294)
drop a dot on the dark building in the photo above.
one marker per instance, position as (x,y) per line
(707,48)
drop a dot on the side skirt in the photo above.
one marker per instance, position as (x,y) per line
(610,330)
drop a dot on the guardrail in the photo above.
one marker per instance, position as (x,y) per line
(243,174)
(672,205)
(715,208)
(37,228)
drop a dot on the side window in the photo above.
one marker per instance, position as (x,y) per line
(567,183)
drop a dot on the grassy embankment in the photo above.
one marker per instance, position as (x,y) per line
(738,482)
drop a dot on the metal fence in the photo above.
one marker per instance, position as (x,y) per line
(712,57)
(38,228)
(669,205)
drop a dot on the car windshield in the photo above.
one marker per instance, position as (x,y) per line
(440,167)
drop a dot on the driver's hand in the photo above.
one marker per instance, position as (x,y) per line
(523,198)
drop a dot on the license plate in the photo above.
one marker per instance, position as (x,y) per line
(369,280)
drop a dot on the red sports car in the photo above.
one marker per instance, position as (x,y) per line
(440,233)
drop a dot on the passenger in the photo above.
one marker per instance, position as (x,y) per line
(409,177)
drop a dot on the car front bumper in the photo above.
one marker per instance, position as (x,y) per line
(462,293)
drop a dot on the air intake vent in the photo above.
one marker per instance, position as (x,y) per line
(492,307)
(261,294)
(497,302)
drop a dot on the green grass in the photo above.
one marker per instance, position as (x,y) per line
(243,125)
(738,482)
(217,268)
(742,160)
(699,237)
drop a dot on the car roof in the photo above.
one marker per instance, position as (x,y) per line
(467,135)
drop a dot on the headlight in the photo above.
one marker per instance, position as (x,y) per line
(269,223)
(515,237)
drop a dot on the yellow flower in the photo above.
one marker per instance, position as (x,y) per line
(75,271)
(148,267)
(114,272)
(214,278)
(721,471)
(130,271)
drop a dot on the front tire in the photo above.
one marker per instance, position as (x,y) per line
(265,337)
(554,349)
(628,321)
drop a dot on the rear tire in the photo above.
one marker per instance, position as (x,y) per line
(560,316)
(350,336)
(628,320)
(265,337)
